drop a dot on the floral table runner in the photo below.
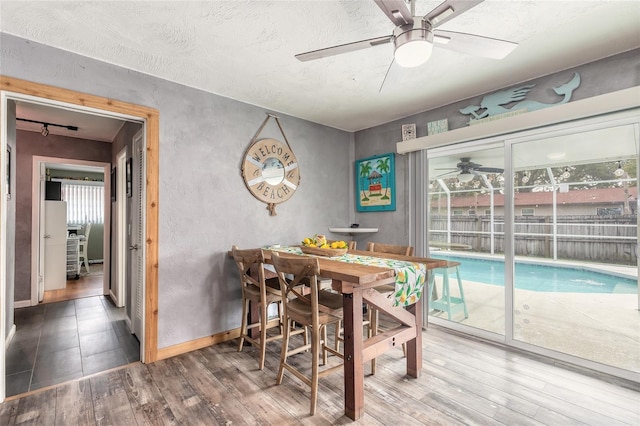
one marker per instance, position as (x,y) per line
(410,276)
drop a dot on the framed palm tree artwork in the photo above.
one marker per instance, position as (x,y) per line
(376,183)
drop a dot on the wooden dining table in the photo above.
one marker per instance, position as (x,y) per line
(357,284)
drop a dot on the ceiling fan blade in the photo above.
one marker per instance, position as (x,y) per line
(448,10)
(489,170)
(396,10)
(473,44)
(342,48)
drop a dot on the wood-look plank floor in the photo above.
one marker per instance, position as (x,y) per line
(464,382)
(85,286)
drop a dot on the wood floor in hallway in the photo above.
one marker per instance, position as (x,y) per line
(85,286)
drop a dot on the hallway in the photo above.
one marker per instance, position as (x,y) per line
(85,286)
(64,340)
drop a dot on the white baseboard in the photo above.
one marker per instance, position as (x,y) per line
(21,304)
(12,333)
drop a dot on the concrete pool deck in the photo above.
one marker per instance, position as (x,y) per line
(604,328)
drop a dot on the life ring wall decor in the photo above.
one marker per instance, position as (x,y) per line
(270,170)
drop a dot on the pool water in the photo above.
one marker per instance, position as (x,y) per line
(543,278)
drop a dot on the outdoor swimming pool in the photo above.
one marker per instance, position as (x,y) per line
(543,278)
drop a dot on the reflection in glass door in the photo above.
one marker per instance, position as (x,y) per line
(575,238)
(466,227)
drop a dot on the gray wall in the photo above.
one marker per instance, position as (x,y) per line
(204,206)
(604,76)
(28,145)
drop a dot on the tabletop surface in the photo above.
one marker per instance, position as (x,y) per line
(364,275)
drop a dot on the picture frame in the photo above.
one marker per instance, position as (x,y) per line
(439,126)
(376,183)
(113,185)
(8,165)
(129,178)
(408,132)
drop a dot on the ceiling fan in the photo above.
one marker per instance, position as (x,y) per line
(468,169)
(415,37)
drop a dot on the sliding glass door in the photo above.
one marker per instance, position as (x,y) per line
(466,221)
(540,230)
(575,237)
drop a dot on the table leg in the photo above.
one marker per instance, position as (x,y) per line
(414,346)
(353,368)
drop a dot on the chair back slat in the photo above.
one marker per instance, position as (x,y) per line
(294,273)
(245,261)
(390,248)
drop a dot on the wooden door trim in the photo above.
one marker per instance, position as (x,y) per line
(151,117)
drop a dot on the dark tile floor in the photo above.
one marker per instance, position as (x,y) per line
(56,342)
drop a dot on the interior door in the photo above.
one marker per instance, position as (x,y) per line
(136,239)
(118,293)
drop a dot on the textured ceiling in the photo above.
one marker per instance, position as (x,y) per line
(245,49)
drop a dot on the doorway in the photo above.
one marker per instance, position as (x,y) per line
(84,239)
(88,333)
(20,90)
(83,188)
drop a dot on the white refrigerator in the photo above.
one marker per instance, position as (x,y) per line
(55,245)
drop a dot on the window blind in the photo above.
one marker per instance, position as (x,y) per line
(85,201)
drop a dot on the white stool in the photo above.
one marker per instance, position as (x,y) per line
(447,303)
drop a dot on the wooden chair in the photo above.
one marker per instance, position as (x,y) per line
(312,308)
(261,291)
(390,248)
(373,314)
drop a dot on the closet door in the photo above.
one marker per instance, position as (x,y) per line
(137,235)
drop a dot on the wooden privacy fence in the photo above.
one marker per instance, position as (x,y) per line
(606,239)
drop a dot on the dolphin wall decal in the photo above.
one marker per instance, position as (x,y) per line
(492,105)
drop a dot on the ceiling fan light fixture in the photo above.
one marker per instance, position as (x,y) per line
(619,172)
(465,177)
(413,44)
